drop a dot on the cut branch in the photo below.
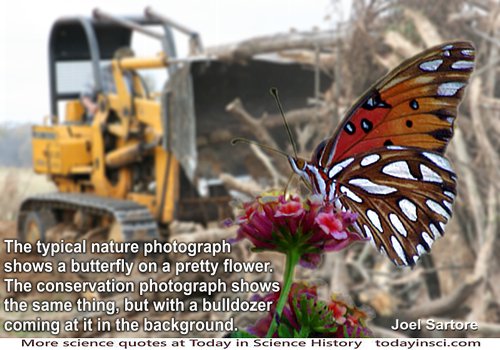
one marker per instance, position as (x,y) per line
(237,109)
(425,28)
(248,187)
(274,43)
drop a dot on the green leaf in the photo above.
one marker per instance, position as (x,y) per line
(284,331)
(304,332)
(346,335)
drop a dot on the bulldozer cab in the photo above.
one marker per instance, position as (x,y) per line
(80,48)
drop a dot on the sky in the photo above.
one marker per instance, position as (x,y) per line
(25,27)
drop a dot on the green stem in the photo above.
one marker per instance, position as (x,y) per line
(292,258)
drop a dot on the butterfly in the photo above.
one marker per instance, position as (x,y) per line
(385,160)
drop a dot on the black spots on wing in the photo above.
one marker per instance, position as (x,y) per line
(370,104)
(350,128)
(445,115)
(366,125)
(414,105)
(409,123)
(442,134)
(388,143)
(375,101)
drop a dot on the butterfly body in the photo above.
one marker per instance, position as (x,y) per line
(385,160)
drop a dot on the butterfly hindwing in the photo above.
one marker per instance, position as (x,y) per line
(415,105)
(403,196)
(385,160)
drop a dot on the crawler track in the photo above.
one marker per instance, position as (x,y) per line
(135,220)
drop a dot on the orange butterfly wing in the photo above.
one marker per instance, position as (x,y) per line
(415,105)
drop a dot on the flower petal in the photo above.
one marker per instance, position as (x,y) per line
(329,222)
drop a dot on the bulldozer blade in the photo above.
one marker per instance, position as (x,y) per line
(198,127)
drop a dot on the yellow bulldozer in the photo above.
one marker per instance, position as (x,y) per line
(137,163)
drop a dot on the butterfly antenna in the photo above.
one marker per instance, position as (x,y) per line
(251,142)
(308,185)
(274,92)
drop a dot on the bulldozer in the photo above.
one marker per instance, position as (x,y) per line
(136,165)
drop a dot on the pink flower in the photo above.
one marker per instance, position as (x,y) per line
(331,224)
(291,209)
(309,226)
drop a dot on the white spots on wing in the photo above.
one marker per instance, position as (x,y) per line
(370,159)
(435,231)
(449,194)
(408,208)
(442,225)
(395,148)
(467,52)
(450,119)
(420,249)
(337,168)
(446,50)
(429,175)
(372,187)
(437,208)
(428,240)
(398,248)
(396,222)
(398,169)
(351,195)
(431,66)
(448,205)
(441,162)
(369,234)
(449,88)
(462,65)
(374,219)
